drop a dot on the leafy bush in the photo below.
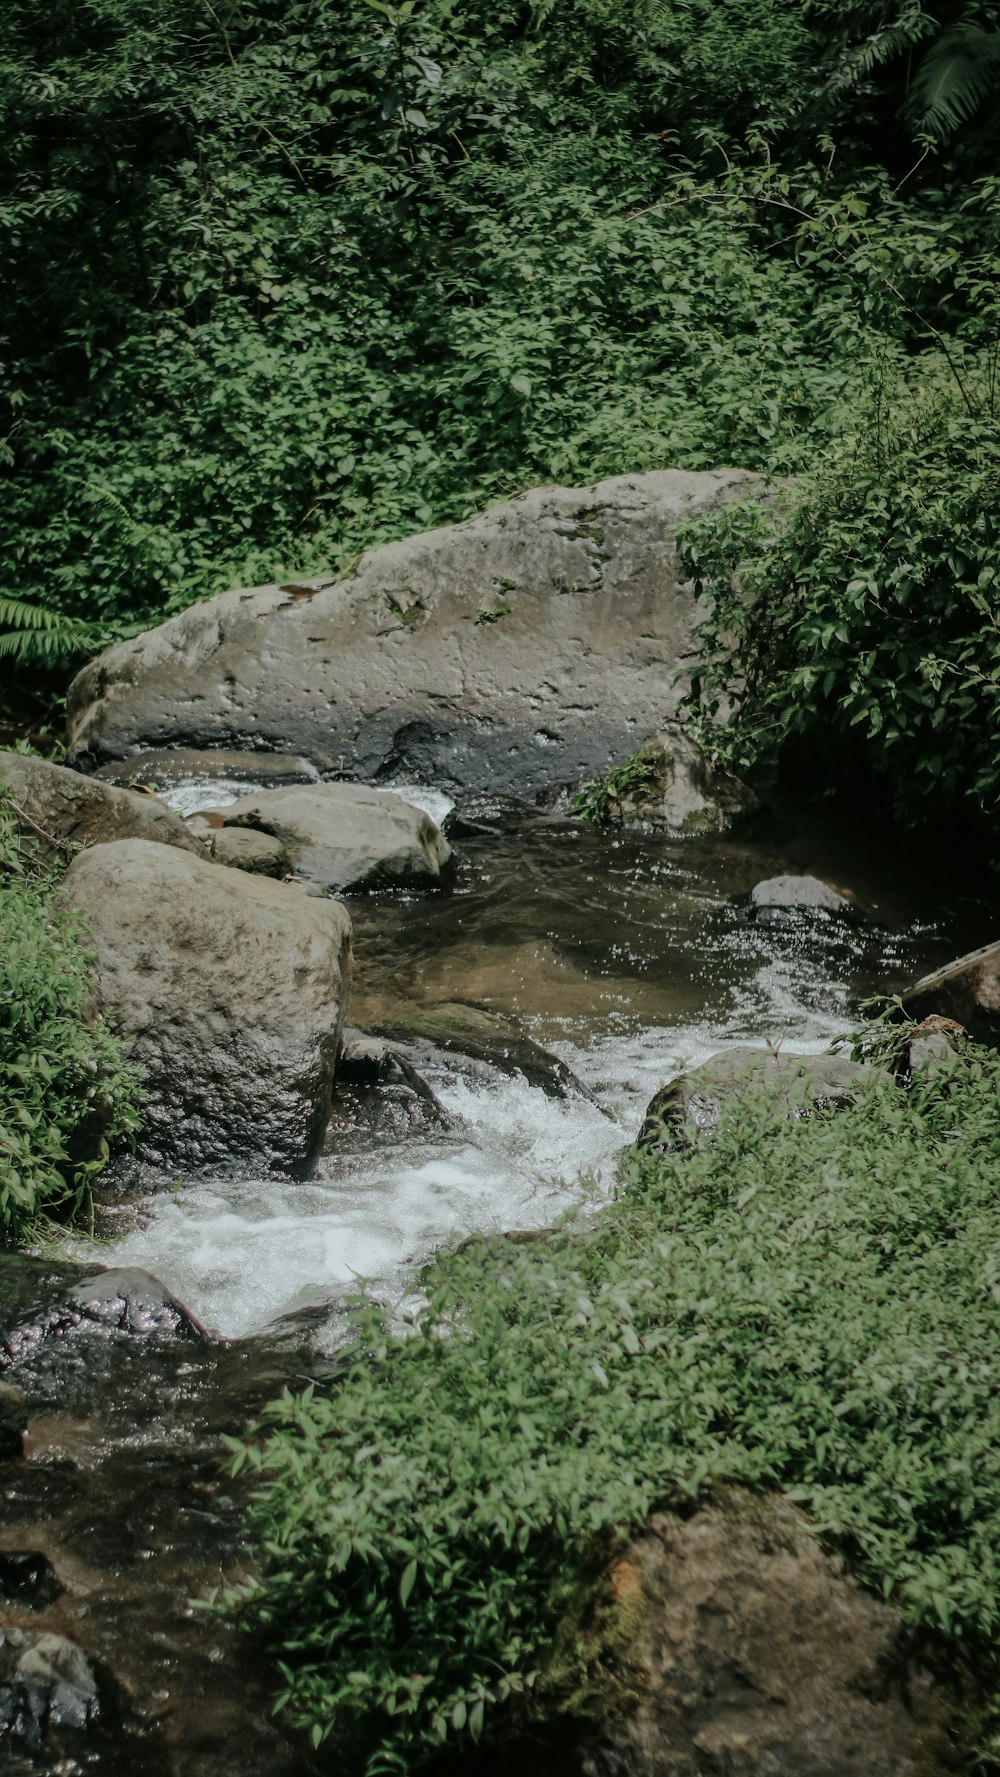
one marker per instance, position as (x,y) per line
(863,613)
(65,1094)
(805,1305)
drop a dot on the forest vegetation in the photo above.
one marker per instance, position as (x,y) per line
(285,278)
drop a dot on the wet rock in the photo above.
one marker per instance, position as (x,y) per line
(966,991)
(127,1300)
(244,848)
(383,1096)
(345,836)
(783,900)
(13,1420)
(362,1058)
(28,1579)
(533,644)
(230,991)
(59,811)
(483,1037)
(682,791)
(46,1683)
(747,1651)
(696,1101)
(187,765)
(132,1301)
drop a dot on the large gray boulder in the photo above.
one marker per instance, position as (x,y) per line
(60,811)
(342,836)
(532,645)
(230,990)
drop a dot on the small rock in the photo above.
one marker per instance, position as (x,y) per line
(346,836)
(46,1682)
(932,1046)
(133,1301)
(13,1420)
(684,791)
(243,848)
(784,899)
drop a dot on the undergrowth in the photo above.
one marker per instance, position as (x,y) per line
(66,1094)
(810,1306)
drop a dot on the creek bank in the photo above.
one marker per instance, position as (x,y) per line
(532,645)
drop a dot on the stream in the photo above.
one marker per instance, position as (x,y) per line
(629,956)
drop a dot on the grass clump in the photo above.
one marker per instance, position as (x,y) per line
(807,1305)
(66,1095)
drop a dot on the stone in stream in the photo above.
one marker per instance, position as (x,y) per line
(244,848)
(63,1713)
(59,812)
(966,991)
(230,992)
(28,1579)
(696,1101)
(728,1642)
(484,1038)
(783,900)
(344,836)
(531,645)
(679,789)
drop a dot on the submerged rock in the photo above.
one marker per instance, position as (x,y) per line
(342,836)
(966,991)
(745,1650)
(483,1037)
(59,812)
(531,645)
(785,899)
(695,1102)
(230,991)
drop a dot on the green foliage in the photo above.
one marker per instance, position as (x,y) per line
(600,800)
(801,1304)
(65,1094)
(284,281)
(862,612)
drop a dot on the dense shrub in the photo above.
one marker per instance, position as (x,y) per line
(803,1305)
(862,614)
(65,1094)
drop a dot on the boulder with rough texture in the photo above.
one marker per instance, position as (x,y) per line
(245,848)
(230,991)
(790,898)
(682,791)
(46,1683)
(750,1654)
(59,812)
(967,990)
(531,645)
(694,1102)
(342,836)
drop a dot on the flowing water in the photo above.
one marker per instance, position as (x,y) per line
(630,955)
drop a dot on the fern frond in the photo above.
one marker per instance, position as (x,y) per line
(30,633)
(956,75)
(904,34)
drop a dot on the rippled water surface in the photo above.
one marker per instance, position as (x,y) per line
(630,955)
